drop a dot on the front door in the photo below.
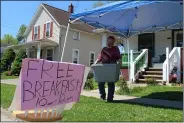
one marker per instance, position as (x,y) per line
(147,41)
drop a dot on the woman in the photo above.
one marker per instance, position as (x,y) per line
(109,55)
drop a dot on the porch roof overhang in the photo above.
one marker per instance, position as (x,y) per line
(44,43)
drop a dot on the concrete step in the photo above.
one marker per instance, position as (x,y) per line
(145,81)
(153,72)
(153,76)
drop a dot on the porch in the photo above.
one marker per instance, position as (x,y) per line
(40,49)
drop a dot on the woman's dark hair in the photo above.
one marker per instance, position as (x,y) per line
(111,37)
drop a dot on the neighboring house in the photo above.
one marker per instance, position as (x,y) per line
(46,32)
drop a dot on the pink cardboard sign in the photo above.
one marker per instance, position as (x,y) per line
(48,83)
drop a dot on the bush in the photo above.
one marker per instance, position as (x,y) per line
(90,84)
(151,81)
(123,87)
(90,75)
(7,59)
(7,73)
(16,66)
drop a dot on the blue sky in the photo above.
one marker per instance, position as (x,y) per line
(16,13)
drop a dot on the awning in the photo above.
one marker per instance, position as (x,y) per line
(128,18)
(44,43)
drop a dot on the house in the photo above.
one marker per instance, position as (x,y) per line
(46,32)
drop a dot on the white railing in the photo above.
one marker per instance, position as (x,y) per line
(138,64)
(172,60)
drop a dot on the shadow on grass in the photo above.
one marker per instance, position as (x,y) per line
(168,95)
(166,100)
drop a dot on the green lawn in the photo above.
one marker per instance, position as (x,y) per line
(92,109)
(8,77)
(7,93)
(158,92)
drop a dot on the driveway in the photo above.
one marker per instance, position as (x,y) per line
(10,81)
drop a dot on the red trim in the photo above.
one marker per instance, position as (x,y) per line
(32,33)
(51,29)
(44,31)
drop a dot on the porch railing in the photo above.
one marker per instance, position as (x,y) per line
(138,64)
(125,58)
(172,60)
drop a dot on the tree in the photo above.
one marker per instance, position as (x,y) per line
(20,34)
(17,63)
(7,59)
(9,39)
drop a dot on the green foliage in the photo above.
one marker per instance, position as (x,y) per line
(90,84)
(90,75)
(9,39)
(20,34)
(7,59)
(7,73)
(16,66)
(122,84)
(151,81)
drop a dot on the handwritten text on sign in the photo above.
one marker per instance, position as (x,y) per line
(49,83)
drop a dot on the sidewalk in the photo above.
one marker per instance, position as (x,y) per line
(10,81)
(137,100)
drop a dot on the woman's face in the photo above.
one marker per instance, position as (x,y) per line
(110,42)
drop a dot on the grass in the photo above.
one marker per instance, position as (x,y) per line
(92,109)
(7,93)
(158,92)
(8,77)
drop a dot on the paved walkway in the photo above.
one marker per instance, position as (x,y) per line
(10,81)
(6,116)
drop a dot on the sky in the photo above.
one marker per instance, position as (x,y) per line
(16,13)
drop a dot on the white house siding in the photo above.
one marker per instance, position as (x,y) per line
(86,44)
(162,40)
(41,20)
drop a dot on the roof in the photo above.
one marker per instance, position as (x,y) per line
(62,17)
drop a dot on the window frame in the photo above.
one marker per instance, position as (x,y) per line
(91,52)
(78,35)
(77,56)
(52,52)
(47,29)
(35,31)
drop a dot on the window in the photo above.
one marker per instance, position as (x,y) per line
(179,40)
(91,58)
(50,53)
(35,32)
(47,29)
(76,35)
(75,56)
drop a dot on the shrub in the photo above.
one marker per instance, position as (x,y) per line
(16,66)
(90,75)
(7,73)
(90,84)
(7,59)
(151,81)
(123,87)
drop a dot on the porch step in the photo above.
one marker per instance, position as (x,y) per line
(153,76)
(154,69)
(145,80)
(153,72)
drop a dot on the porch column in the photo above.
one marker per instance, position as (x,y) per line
(38,51)
(167,60)
(104,39)
(27,52)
